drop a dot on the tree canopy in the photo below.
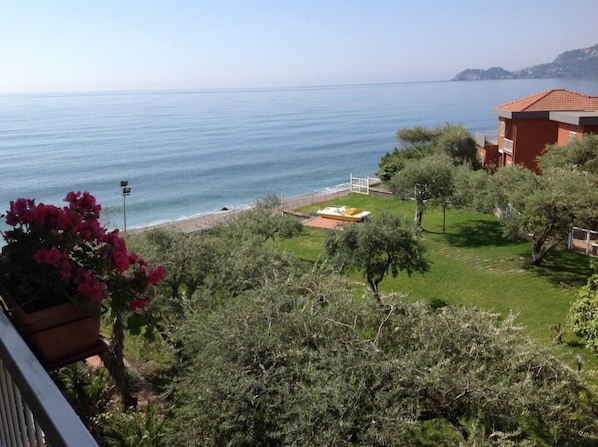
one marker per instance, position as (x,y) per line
(577,155)
(427,180)
(273,351)
(266,219)
(583,315)
(545,207)
(305,363)
(381,245)
(452,140)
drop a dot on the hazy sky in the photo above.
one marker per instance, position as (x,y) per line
(56,45)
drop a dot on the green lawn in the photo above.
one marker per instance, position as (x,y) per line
(472,264)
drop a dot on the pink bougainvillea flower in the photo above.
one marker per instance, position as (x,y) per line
(91,287)
(20,212)
(53,256)
(83,203)
(75,253)
(138,304)
(135,259)
(117,251)
(154,276)
(50,216)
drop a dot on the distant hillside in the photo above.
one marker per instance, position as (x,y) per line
(570,64)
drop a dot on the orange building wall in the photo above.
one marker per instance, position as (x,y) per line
(488,155)
(530,137)
(564,129)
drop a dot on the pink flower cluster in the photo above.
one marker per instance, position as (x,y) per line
(70,245)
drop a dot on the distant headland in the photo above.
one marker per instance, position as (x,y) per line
(581,63)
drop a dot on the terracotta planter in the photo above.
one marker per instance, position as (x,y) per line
(59,335)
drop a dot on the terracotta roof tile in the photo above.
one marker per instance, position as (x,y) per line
(549,100)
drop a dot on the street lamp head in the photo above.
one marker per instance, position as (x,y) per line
(126,192)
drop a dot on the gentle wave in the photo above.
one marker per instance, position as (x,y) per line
(186,153)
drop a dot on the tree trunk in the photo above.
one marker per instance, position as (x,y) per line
(114,361)
(539,250)
(374,286)
(536,257)
(373,283)
(443,217)
(419,213)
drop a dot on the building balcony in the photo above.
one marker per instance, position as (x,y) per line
(507,146)
(33,411)
(483,139)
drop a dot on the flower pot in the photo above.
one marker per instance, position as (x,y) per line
(59,335)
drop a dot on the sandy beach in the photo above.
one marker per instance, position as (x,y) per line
(206,221)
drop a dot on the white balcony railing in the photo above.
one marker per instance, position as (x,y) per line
(484,138)
(507,146)
(33,412)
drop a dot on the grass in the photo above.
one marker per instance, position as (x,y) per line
(472,264)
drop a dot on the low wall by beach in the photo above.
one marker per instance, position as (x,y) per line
(206,221)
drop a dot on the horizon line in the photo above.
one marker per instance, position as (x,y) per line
(128,91)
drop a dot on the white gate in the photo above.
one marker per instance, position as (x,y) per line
(359,185)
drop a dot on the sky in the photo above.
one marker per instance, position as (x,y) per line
(85,45)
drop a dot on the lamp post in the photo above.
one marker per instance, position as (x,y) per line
(126,192)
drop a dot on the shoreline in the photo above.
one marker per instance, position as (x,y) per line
(210,220)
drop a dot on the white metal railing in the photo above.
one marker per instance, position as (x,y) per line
(204,222)
(507,146)
(583,241)
(17,424)
(33,412)
(483,138)
(316,197)
(359,185)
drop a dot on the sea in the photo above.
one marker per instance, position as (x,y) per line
(185,153)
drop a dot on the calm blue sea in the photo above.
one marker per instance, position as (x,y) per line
(187,153)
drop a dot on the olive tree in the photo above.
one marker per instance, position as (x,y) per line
(578,162)
(302,362)
(456,141)
(266,219)
(452,140)
(579,155)
(583,315)
(186,257)
(544,207)
(428,180)
(381,245)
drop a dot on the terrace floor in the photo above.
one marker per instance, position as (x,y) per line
(322,222)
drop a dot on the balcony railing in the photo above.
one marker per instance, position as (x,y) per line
(507,146)
(483,138)
(33,412)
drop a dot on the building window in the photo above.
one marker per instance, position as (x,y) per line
(501,128)
(572,136)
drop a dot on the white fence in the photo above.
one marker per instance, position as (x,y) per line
(355,185)
(302,200)
(584,241)
(360,185)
